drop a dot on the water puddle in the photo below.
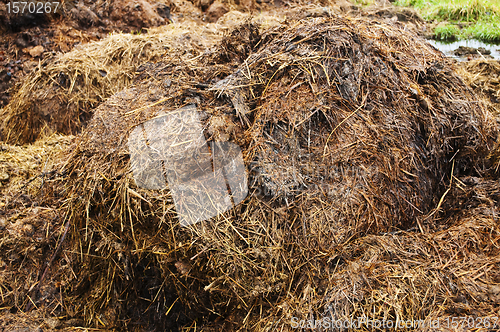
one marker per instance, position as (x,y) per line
(449,48)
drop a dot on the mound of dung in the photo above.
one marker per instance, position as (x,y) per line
(60,95)
(347,128)
(424,279)
(484,77)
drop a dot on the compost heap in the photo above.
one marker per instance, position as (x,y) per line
(61,94)
(484,77)
(371,190)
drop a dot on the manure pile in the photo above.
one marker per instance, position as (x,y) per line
(60,95)
(372,190)
(484,77)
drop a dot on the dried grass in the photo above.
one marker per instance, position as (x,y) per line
(22,168)
(484,77)
(29,233)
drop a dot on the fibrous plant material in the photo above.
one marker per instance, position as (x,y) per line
(484,77)
(22,168)
(29,233)
(60,95)
(359,141)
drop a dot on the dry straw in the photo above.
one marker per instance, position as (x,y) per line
(483,77)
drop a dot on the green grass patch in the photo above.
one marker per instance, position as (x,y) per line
(486,31)
(482,15)
(448,32)
(454,10)
(459,10)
